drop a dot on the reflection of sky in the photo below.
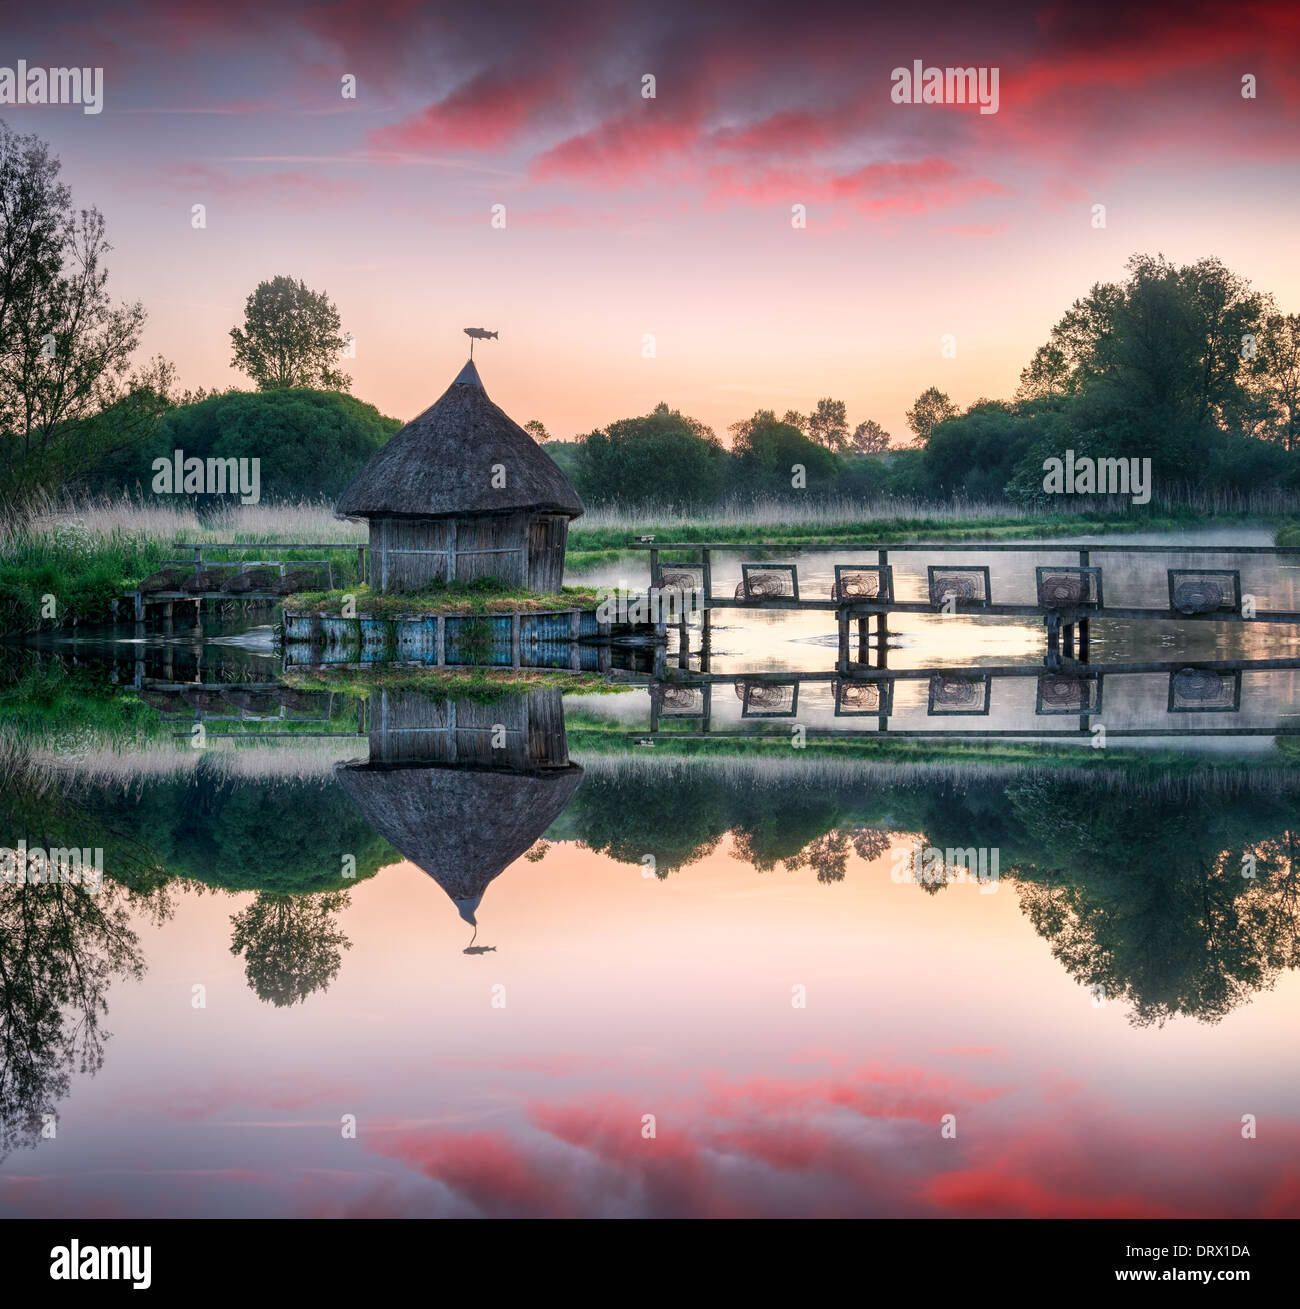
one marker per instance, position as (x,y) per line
(628,996)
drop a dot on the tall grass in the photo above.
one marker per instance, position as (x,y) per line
(107,517)
(822,512)
(86,553)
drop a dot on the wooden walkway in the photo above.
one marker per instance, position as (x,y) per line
(1069,595)
(141,600)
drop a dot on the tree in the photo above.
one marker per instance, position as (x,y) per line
(869,438)
(311,443)
(767,448)
(1163,349)
(664,456)
(291,338)
(65,348)
(932,407)
(537,430)
(1277,380)
(828,424)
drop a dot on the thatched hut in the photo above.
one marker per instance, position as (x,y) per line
(463,789)
(463,492)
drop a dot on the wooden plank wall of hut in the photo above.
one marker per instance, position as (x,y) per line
(547,744)
(501,541)
(410,727)
(548,537)
(409,553)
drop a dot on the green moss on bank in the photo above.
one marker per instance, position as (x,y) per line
(469,683)
(458,598)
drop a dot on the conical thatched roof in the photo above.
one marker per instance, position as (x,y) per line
(440,464)
(462,825)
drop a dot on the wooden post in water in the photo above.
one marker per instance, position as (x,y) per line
(652,596)
(1084,635)
(882,626)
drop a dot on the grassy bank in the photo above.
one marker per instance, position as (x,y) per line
(483,684)
(460,598)
(587,738)
(84,555)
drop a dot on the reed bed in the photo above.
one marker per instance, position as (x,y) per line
(130,766)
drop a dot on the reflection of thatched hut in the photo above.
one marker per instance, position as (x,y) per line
(462,824)
(463,788)
(463,492)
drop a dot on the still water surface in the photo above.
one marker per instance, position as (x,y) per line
(724,941)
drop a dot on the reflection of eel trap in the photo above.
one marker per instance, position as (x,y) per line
(958,695)
(1205,691)
(679,701)
(866,698)
(1061,693)
(767,699)
(767,582)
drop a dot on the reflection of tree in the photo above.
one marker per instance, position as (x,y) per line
(291,944)
(60,948)
(828,855)
(1278,861)
(248,836)
(1148,900)
(1134,878)
(678,821)
(870,843)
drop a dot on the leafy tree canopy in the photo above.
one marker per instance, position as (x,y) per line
(292,336)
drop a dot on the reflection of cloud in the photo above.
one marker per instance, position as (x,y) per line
(190,1104)
(858,1143)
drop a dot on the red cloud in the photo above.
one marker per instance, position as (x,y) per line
(620,150)
(488,112)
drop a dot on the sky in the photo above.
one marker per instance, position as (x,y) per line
(650,250)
